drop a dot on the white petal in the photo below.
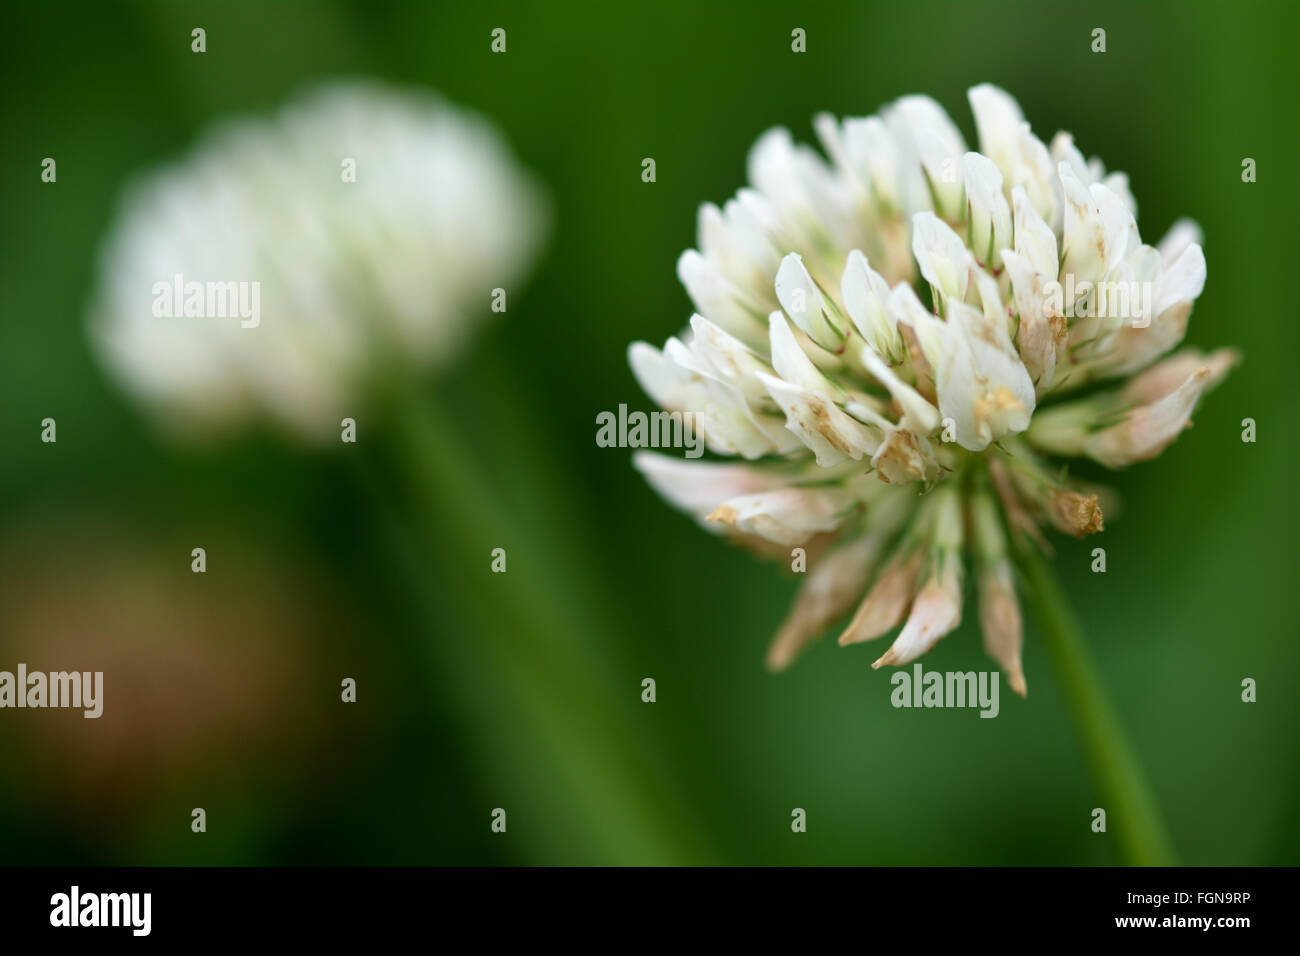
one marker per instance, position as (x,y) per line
(914,406)
(768,167)
(1118,225)
(791,361)
(787,516)
(997,122)
(666,382)
(916,113)
(1150,428)
(718,298)
(1181,234)
(728,426)
(739,246)
(832,435)
(935,612)
(699,487)
(866,295)
(876,155)
(930,136)
(1165,376)
(1184,280)
(680,354)
(802,301)
(990,216)
(931,332)
(943,257)
(1064,151)
(981,383)
(1118,184)
(1035,336)
(1037,176)
(995,311)
(1034,237)
(1084,242)
(732,360)
(799,186)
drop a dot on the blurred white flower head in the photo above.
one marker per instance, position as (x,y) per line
(891,339)
(289,263)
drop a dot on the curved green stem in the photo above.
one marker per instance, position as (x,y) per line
(1129,803)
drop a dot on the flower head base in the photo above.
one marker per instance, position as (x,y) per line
(361,223)
(891,339)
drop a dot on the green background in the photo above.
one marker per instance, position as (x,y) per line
(223,688)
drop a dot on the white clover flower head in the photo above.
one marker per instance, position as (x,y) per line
(370,223)
(890,339)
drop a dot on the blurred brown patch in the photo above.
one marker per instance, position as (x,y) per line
(213,683)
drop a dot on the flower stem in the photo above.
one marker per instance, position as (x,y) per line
(531,653)
(1129,803)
